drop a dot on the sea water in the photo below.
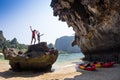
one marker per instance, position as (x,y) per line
(67,59)
(64,59)
(1,57)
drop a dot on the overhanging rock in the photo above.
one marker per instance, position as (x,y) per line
(96,24)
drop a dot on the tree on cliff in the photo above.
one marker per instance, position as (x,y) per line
(2,39)
(50,45)
(14,43)
(11,44)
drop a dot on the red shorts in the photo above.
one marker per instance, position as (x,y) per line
(33,36)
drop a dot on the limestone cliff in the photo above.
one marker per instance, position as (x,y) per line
(96,24)
(64,44)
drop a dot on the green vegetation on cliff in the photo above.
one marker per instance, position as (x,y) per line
(2,39)
(11,44)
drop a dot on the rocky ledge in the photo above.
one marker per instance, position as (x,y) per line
(96,24)
(38,57)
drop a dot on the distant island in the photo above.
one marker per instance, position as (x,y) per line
(64,44)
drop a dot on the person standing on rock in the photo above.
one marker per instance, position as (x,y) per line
(33,35)
(38,36)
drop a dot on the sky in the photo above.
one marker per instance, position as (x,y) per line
(17,15)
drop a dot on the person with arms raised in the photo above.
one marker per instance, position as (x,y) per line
(33,35)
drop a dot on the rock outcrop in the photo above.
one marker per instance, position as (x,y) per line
(96,24)
(38,57)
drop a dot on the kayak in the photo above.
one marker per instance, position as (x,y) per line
(93,66)
(97,64)
(104,65)
(107,64)
(89,68)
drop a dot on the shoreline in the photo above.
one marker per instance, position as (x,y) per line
(68,71)
(1,53)
(58,74)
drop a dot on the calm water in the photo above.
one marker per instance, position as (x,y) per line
(63,58)
(1,57)
(69,57)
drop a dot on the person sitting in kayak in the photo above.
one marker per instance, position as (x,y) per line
(88,65)
(33,35)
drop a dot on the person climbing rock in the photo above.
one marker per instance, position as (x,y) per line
(38,36)
(33,35)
